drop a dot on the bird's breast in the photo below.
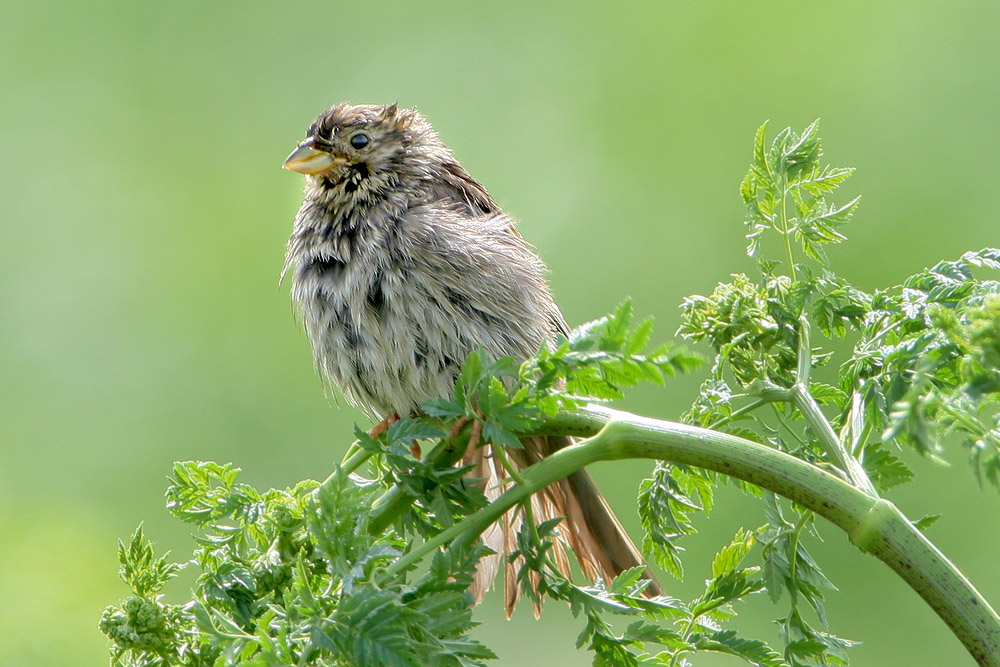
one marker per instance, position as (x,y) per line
(392,317)
(377,333)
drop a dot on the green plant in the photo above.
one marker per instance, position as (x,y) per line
(375,571)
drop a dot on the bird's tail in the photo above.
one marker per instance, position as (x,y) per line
(590,529)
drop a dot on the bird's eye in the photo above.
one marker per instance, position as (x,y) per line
(360,140)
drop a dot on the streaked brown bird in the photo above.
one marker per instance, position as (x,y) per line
(403,265)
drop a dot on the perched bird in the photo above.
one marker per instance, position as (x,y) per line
(403,265)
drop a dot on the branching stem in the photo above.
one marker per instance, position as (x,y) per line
(800,396)
(736,414)
(875,525)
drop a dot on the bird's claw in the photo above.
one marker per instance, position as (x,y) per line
(384,425)
(475,434)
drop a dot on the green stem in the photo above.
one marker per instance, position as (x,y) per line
(499,452)
(536,477)
(394,502)
(784,215)
(788,427)
(875,525)
(800,396)
(736,414)
(529,513)
(784,228)
(804,355)
(688,629)
(793,556)
(807,405)
(353,459)
(855,429)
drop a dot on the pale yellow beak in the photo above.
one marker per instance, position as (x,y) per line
(307,159)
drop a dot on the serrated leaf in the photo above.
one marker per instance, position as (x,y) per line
(411,428)
(824,180)
(495,433)
(639,338)
(926,522)
(645,632)
(729,558)
(826,394)
(443,407)
(752,651)
(627,579)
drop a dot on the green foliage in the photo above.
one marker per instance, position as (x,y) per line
(666,501)
(376,571)
(647,640)
(704,616)
(291,577)
(788,174)
(927,364)
(143,573)
(923,366)
(295,576)
(595,363)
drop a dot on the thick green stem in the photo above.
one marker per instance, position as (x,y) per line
(875,525)
(536,477)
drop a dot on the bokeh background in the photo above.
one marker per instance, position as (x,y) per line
(143,216)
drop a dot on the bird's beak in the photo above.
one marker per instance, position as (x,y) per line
(307,159)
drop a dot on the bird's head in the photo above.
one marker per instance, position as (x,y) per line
(366,146)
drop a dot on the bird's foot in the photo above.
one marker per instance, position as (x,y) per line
(475,434)
(384,425)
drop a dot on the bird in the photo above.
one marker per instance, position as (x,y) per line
(402,265)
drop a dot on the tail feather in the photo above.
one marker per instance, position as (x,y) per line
(494,537)
(590,529)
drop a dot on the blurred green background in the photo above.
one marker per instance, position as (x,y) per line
(144,215)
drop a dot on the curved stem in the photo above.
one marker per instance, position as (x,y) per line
(536,477)
(355,459)
(875,525)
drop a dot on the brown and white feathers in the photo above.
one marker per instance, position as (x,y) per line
(403,265)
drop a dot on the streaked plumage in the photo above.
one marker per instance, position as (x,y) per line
(403,264)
